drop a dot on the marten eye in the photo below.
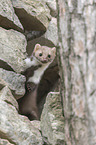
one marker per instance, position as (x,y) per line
(49,55)
(40,54)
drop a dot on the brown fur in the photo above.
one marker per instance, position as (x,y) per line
(28,105)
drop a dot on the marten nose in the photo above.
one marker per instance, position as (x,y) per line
(44,59)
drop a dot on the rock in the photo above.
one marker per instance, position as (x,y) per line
(52,5)
(51,33)
(33,15)
(13,49)
(16,128)
(8,18)
(5,142)
(16,82)
(52,120)
(6,95)
(36,124)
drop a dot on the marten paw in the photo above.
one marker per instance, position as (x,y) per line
(31,86)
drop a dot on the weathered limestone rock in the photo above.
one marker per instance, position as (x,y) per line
(5,142)
(77,62)
(15,128)
(13,49)
(52,5)
(6,95)
(52,120)
(36,124)
(34,15)
(51,33)
(83,72)
(15,82)
(8,18)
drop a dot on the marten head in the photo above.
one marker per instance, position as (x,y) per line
(44,54)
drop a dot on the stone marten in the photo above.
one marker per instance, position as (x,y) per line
(38,62)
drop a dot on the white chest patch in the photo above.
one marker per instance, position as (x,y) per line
(38,74)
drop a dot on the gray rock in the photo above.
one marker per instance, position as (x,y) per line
(51,33)
(36,123)
(52,120)
(5,142)
(13,49)
(16,82)
(8,18)
(52,5)
(34,15)
(16,128)
(6,95)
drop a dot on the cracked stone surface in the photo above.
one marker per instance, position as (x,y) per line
(34,15)
(16,129)
(13,49)
(16,82)
(77,50)
(51,33)
(52,120)
(8,18)
(5,142)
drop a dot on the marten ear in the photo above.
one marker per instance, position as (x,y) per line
(37,46)
(54,50)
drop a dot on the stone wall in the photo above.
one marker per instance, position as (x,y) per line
(23,23)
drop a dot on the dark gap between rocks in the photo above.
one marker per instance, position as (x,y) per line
(29,22)
(8,24)
(5,66)
(4,136)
